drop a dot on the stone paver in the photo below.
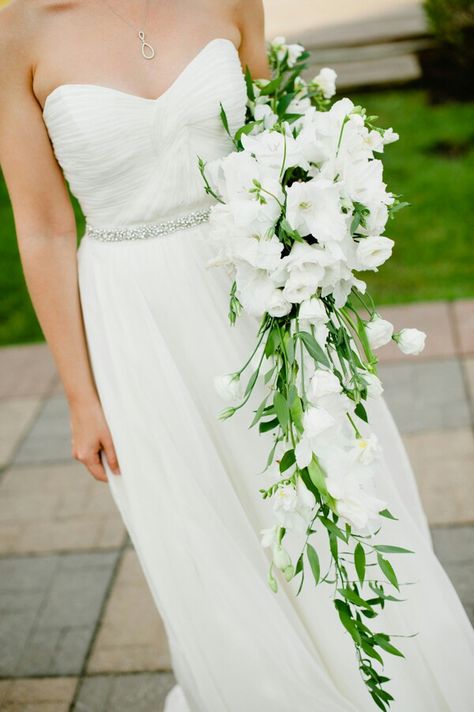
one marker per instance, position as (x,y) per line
(131,636)
(434,318)
(468,364)
(444,466)
(123,693)
(56,508)
(26,371)
(49,608)
(463,311)
(455,549)
(428,395)
(37,695)
(50,439)
(16,415)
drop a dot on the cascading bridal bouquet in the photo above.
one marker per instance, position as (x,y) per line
(301,207)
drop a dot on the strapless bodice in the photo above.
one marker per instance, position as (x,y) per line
(132,160)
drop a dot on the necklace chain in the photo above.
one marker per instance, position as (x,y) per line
(147,50)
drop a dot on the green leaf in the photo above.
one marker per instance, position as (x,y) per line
(387,569)
(313,348)
(284,102)
(371,652)
(269,374)
(272,86)
(272,340)
(386,513)
(224,120)
(259,412)
(309,483)
(388,549)
(313,559)
(296,410)
(354,598)
(299,565)
(249,83)
(333,529)
(333,546)
(287,460)
(349,625)
(290,348)
(384,643)
(252,382)
(318,477)
(281,409)
(267,425)
(246,129)
(359,561)
(360,411)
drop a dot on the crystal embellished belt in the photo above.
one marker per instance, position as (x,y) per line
(143,232)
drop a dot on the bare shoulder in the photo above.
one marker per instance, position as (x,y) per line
(18,20)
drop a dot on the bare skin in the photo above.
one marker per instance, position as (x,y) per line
(46,43)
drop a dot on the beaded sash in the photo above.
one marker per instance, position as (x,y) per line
(143,232)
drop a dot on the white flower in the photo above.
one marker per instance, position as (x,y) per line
(411,341)
(303,452)
(374,141)
(366,450)
(263,112)
(351,484)
(326,80)
(373,251)
(379,332)
(376,220)
(316,421)
(302,283)
(360,509)
(389,136)
(258,293)
(292,506)
(272,148)
(263,253)
(313,208)
(269,536)
(374,385)
(313,310)
(229,386)
(324,383)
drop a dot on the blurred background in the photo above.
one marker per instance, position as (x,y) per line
(78,629)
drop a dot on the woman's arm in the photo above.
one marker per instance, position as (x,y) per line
(46,235)
(250,19)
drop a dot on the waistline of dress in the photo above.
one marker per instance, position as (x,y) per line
(149,230)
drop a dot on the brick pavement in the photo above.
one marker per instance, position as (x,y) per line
(78,628)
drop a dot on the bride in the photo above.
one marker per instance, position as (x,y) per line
(119,98)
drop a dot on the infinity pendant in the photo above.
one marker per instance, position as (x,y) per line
(147,50)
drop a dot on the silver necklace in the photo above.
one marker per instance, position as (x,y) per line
(147,50)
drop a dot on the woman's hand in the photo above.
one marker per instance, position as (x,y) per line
(90,435)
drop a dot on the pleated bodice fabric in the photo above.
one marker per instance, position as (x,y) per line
(130,159)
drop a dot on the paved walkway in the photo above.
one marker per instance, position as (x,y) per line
(78,629)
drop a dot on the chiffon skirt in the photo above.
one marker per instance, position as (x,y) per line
(158,333)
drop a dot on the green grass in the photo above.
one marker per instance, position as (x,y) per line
(433,256)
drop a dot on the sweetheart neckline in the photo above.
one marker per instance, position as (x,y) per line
(175,81)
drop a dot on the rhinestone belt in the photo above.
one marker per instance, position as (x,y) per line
(143,232)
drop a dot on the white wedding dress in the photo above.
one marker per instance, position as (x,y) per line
(158,332)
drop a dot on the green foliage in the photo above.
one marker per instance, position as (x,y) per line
(451,21)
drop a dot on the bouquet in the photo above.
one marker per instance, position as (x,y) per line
(301,208)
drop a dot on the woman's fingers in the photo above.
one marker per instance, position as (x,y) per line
(92,461)
(111,455)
